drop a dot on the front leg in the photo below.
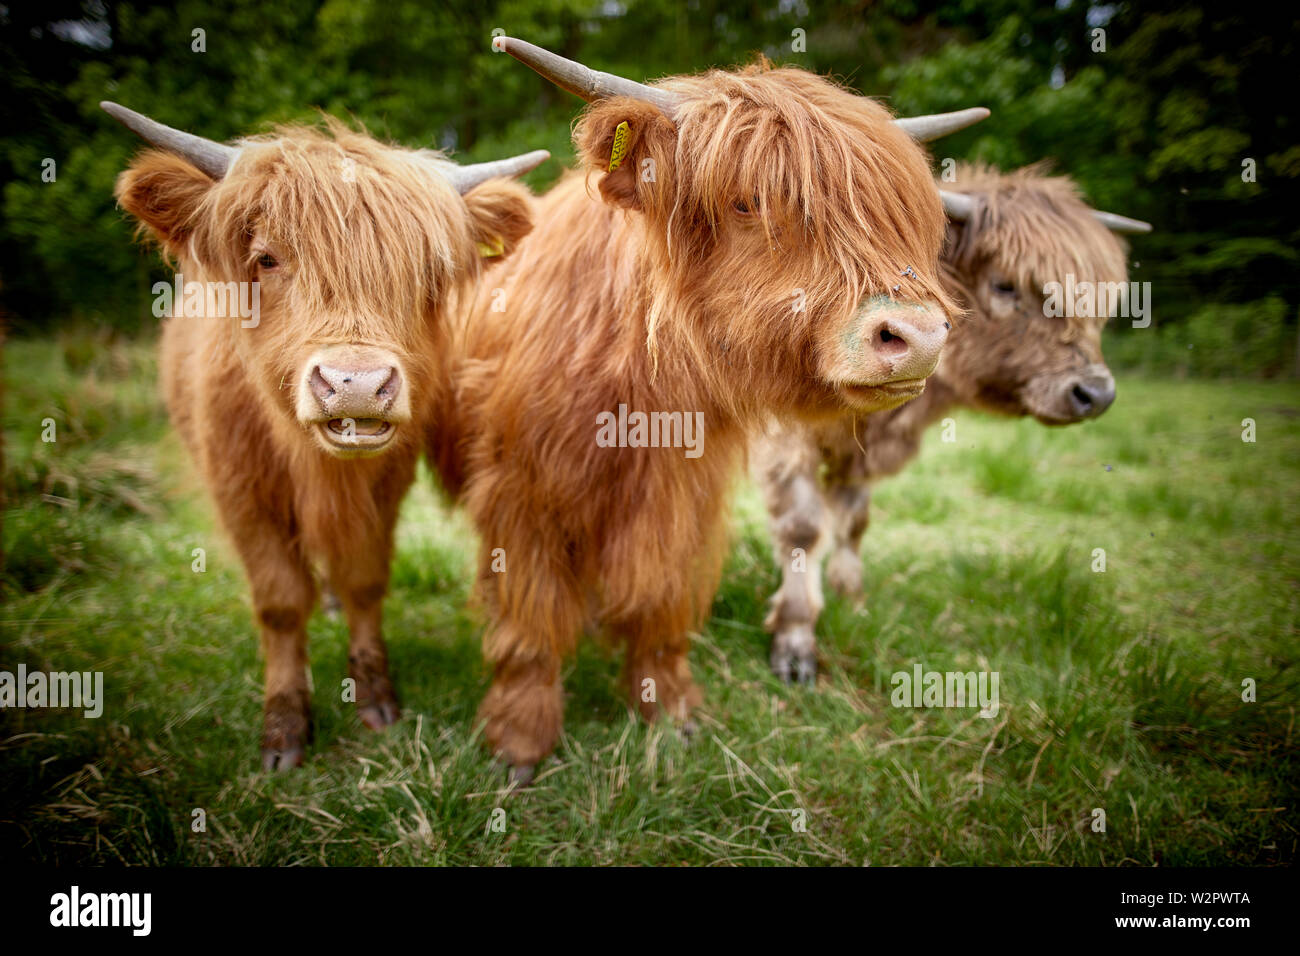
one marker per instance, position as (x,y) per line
(523,712)
(658,581)
(361,587)
(283,594)
(359,579)
(656,667)
(286,714)
(849,508)
(797,516)
(536,611)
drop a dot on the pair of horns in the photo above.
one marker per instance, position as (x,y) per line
(593,85)
(215,159)
(960,207)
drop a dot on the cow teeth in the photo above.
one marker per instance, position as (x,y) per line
(368,427)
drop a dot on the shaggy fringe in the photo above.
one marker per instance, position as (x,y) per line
(1037,227)
(372,242)
(665,296)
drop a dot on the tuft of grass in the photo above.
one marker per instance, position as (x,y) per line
(1120,691)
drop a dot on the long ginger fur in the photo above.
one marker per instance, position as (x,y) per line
(370,243)
(664,285)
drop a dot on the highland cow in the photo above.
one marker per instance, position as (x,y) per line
(1011,235)
(307,421)
(763,240)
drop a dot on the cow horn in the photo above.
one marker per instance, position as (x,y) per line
(958,206)
(465,178)
(593,85)
(213,158)
(581,81)
(923,129)
(1117,223)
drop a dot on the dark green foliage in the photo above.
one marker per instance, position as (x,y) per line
(1157,125)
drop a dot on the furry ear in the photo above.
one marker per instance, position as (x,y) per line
(163,192)
(649,146)
(502,214)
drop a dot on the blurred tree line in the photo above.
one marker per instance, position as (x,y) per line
(1164,111)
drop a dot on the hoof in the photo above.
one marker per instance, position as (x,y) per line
(796,669)
(794,655)
(379,715)
(521,718)
(520,776)
(377,704)
(688,730)
(281,759)
(782,667)
(805,670)
(286,730)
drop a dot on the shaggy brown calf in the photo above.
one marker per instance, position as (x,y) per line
(1011,234)
(767,241)
(306,418)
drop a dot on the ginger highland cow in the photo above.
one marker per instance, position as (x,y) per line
(755,241)
(1010,235)
(306,419)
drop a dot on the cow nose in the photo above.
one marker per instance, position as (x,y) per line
(355,391)
(1090,397)
(910,342)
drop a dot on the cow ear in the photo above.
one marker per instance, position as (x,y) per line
(163,192)
(501,213)
(635,137)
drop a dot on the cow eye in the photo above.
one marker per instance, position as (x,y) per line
(267,261)
(746,207)
(1003,287)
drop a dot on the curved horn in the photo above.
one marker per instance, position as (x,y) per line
(213,158)
(923,129)
(1118,223)
(958,206)
(465,178)
(581,81)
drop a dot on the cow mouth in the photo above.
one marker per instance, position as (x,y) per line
(364,435)
(884,395)
(1055,421)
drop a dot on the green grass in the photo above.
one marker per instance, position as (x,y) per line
(1119,690)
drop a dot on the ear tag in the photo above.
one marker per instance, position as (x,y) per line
(621,136)
(492,248)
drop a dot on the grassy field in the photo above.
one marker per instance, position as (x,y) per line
(1120,691)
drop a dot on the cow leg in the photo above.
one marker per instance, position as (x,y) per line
(656,668)
(358,556)
(283,595)
(849,507)
(659,578)
(535,626)
(523,712)
(785,461)
(798,546)
(360,582)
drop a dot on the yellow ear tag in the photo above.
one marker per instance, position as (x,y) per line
(493,248)
(621,135)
